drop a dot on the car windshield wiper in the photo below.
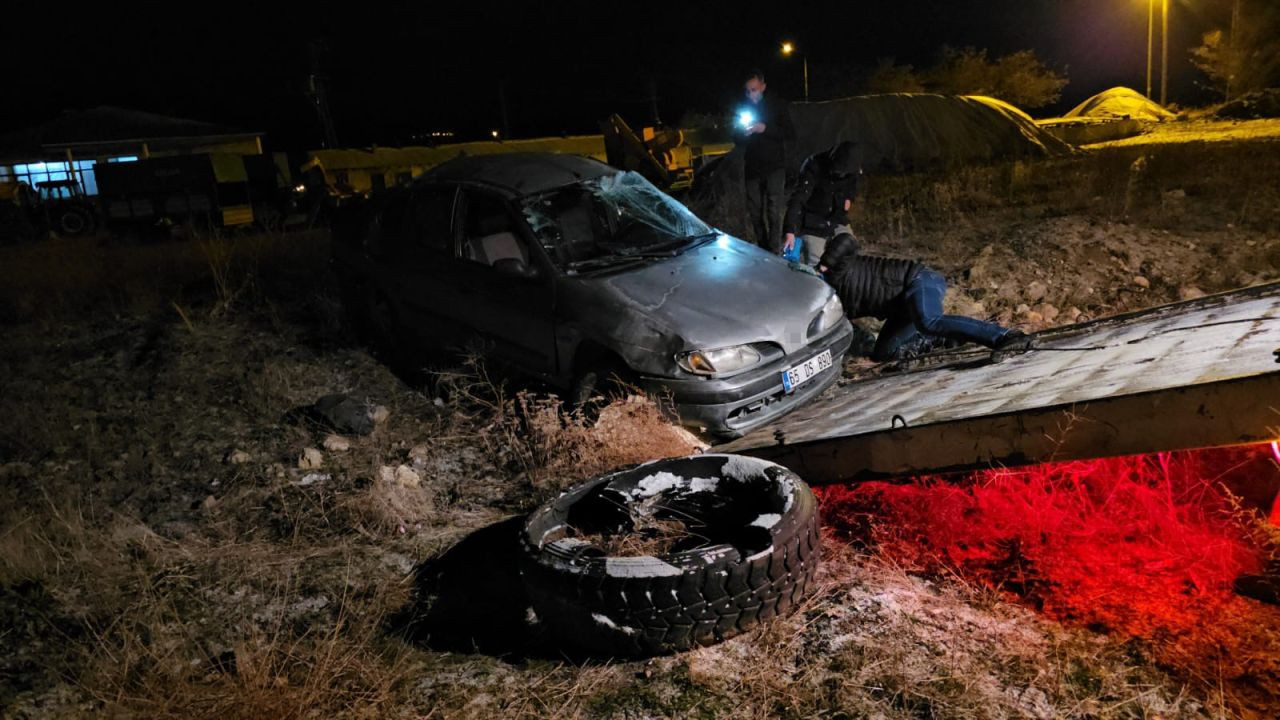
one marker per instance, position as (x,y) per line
(603,261)
(667,249)
(670,248)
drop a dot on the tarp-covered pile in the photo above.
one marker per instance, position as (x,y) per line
(911,132)
(1121,102)
(895,133)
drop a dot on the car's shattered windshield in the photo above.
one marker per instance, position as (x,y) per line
(611,220)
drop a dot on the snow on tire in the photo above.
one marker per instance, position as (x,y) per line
(750,554)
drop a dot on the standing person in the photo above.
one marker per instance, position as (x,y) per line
(907,295)
(820,202)
(765,128)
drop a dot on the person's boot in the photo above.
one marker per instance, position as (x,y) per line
(1014,341)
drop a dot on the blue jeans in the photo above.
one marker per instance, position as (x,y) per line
(920,312)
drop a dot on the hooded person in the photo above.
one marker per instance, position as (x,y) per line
(907,295)
(819,205)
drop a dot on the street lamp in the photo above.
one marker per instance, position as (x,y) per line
(787,49)
(1151,33)
(1164,50)
(1164,46)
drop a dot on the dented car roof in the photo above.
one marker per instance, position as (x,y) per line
(520,174)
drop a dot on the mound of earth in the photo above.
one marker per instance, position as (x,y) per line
(1252,106)
(1121,102)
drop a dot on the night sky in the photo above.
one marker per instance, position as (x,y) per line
(402,69)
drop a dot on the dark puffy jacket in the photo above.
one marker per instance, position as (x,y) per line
(869,285)
(817,202)
(767,151)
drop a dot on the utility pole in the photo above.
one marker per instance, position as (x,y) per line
(502,107)
(788,48)
(1233,60)
(1151,36)
(652,87)
(318,91)
(804,60)
(1164,48)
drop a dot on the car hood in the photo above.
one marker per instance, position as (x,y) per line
(725,292)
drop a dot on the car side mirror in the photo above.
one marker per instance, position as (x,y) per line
(514,268)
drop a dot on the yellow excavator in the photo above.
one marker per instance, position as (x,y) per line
(668,157)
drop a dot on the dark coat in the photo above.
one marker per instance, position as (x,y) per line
(870,285)
(766,152)
(817,202)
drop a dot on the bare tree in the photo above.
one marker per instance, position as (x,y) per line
(1019,78)
(1245,55)
(887,77)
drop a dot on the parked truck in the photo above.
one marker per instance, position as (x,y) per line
(211,190)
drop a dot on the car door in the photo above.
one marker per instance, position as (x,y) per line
(513,316)
(416,244)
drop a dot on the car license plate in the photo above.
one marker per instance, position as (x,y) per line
(798,375)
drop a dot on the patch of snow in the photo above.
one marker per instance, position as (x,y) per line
(657,483)
(744,467)
(767,520)
(608,622)
(402,563)
(703,484)
(787,489)
(312,479)
(568,544)
(663,481)
(643,566)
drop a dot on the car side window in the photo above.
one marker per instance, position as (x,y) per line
(430,221)
(388,239)
(490,232)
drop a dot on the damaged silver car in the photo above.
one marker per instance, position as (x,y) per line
(576,272)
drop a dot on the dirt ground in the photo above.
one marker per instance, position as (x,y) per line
(175,542)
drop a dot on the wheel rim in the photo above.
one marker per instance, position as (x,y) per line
(72,223)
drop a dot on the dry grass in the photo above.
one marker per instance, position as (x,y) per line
(648,534)
(551,447)
(143,574)
(83,276)
(175,583)
(1164,186)
(152,626)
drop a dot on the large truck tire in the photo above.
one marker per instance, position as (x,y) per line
(751,555)
(72,221)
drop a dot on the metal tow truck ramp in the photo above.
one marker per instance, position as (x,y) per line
(1194,374)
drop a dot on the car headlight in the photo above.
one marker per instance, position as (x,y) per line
(716,362)
(828,317)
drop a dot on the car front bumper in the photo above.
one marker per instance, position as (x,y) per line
(734,405)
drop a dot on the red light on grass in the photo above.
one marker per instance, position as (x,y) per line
(1274,517)
(1145,546)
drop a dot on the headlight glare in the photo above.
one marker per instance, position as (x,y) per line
(828,317)
(719,361)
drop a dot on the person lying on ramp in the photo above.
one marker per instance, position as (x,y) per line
(907,295)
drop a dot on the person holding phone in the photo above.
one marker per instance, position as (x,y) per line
(764,126)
